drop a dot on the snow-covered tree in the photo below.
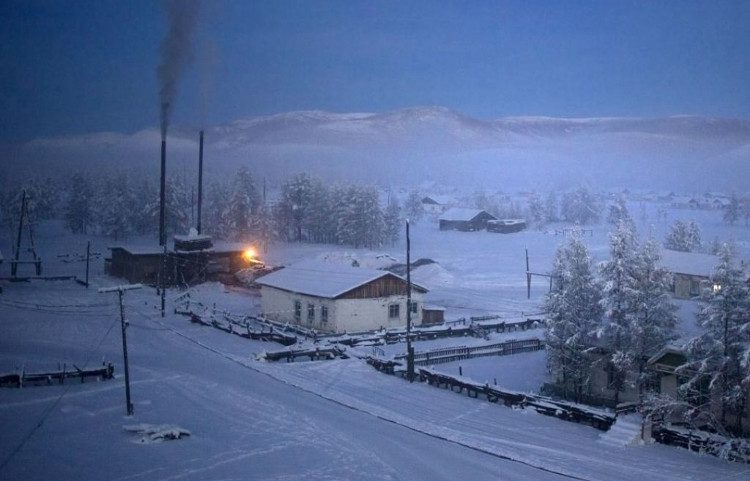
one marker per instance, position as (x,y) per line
(535,209)
(551,208)
(732,211)
(392,222)
(217,205)
(573,314)
(360,222)
(79,213)
(244,201)
(618,212)
(654,319)
(619,301)
(718,369)
(294,207)
(580,206)
(114,204)
(683,236)
(177,202)
(413,208)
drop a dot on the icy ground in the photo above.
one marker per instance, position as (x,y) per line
(315,420)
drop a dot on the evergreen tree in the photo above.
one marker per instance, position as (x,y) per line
(619,302)
(392,221)
(413,208)
(718,368)
(215,215)
(79,214)
(732,211)
(580,207)
(654,318)
(573,313)
(294,207)
(536,211)
(618,212)
(114,207)
(551,208)
(361,221)
(176,217)
(244,201)
(683,236)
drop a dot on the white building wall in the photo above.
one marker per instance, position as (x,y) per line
(343,314)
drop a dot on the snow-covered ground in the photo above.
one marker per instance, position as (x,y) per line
(314,420)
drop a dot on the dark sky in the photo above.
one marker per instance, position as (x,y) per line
(81,66)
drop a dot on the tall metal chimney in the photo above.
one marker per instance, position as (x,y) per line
(200,180)
(162,191)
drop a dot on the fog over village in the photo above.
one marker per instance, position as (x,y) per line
(391,240)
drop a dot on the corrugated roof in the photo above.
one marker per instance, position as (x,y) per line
(323,279)
(461,214)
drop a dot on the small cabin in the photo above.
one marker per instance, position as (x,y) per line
(466,220)
(691,271)
(432,315)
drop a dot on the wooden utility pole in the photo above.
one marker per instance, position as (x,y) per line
(14,265)
(88,258)
(163,279)
(409,348)
(123,324)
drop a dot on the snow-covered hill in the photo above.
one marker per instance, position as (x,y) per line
(410,145)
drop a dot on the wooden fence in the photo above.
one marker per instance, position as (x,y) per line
(48,377)
(451,354)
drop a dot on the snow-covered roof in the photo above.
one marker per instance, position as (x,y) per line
(691,263)
(440,199)
(324,279)
(461,213)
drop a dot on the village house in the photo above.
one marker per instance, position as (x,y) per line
(337,298)
(437,204)
(691,271)
(463,219)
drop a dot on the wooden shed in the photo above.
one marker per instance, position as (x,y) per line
(463,219)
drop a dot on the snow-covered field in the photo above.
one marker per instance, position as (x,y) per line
(314,420)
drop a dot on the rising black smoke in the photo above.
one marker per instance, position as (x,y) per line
(176,53)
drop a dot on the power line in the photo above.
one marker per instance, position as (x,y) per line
(51,408)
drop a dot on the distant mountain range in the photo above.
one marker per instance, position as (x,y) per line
(434,143)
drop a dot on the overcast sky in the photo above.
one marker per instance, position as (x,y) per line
(82,66)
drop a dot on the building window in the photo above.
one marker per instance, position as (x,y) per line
(414,307)
(323,313)
(310,312)
(297,310)
(393,311)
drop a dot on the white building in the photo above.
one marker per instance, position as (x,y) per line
(337,298)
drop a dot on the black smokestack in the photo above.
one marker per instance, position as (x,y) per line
(176,54)
(162,191)
(200,180)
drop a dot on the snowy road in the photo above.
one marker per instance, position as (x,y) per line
(245,424)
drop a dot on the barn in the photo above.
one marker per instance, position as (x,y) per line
(463,219)
(691,271)
(338,298)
